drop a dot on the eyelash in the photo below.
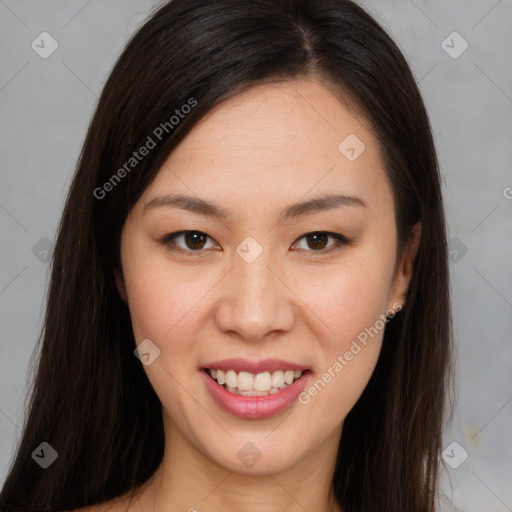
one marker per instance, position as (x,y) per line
(340,240)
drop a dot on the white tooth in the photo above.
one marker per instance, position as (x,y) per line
(262,381)
(221,377)
(253,392)
(297,373)
(277,379)
(232,390)
(214,373)
(245,380)
(288,376)
(231,379)
(273,391)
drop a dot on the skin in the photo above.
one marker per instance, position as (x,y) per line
(269,147)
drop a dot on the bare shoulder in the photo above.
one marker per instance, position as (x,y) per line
(102,507)
(120,504)
(99,507)
(128,502)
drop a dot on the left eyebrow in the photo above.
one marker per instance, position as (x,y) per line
(320,203)
(206,208)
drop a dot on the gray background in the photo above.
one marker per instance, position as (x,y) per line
(46,105)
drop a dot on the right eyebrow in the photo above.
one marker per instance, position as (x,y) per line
(206,208)
(320,203)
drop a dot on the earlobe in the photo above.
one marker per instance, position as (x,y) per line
(120,285)
(405,266)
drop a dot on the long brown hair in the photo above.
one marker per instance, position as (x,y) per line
(90,399)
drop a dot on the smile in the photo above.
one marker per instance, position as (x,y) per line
(250,384)
(254,390)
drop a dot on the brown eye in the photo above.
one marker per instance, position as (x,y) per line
(187,241)
(194,240)
(317,241)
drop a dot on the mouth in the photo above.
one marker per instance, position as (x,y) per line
(254,390)
(250,384)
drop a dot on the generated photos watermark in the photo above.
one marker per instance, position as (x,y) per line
(343,360)
(151,142)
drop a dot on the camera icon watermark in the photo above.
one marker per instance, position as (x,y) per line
(457,249)
(249,250)
(43,249)
(351,147)
(454,455)
(454,45)
(147,352)
(44,45)
(249,454)
(45,455)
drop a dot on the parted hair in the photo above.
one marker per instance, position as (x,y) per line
(89,397)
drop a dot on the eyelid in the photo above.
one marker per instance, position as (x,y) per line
(168,239)
(340,240)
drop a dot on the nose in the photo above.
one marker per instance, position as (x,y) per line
(255,301)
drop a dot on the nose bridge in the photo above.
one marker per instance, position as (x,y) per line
(253,283)
(256,302)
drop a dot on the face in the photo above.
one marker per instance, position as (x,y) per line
(285,302)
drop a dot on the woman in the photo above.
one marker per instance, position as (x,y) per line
(249,305)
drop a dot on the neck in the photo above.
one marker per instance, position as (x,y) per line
(187,480)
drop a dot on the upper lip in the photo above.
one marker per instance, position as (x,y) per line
(243,365)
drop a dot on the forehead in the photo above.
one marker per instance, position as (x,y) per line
(280,141)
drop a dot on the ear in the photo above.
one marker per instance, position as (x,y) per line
(404,267)
(120,285)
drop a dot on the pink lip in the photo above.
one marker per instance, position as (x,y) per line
(265,365)
(254,407)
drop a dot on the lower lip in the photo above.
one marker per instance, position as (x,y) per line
(254,407)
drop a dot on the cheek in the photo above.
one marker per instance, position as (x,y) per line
(349,352)
(351,304)
(351,308)
(163,303)
(347,298)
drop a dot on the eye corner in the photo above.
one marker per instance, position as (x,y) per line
(168,241)
(340,242)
